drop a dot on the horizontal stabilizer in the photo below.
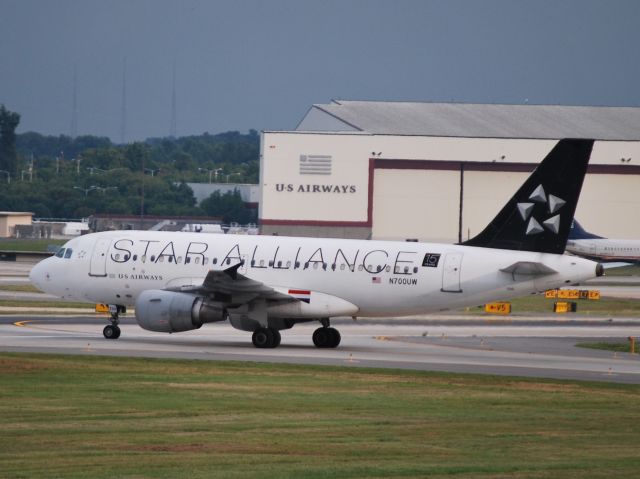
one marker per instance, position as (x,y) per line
(529,268)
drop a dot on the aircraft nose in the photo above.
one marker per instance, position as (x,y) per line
(38,274)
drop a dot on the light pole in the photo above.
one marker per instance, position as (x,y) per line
(153,171)
(86,190)
(103,189)
(231,174)
(210,172)
(8,175)
(77,160)
(95,168)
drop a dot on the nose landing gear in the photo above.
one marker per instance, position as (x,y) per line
(112,331)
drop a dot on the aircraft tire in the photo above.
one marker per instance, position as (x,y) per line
(111,332)
(266,338)
(277,337)
(335,338)
(322,337)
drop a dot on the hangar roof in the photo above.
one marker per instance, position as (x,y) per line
(475,120)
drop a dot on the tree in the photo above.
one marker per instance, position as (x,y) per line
(230,206)
(8,123)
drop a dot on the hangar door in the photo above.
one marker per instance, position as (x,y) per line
(420,204)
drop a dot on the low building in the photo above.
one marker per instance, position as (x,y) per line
(10,219)
(250,194)
(106,222)
(437,171)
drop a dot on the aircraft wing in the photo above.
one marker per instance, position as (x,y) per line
(530,268)
(232,287)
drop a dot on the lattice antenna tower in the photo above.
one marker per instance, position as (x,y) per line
(74,104)
(173,127)
(123,111)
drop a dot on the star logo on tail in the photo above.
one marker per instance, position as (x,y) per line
(554,204)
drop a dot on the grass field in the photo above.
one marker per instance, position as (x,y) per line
(621,346)
(28,244)
(80,417)
(23,288)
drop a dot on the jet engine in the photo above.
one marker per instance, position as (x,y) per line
(171,312)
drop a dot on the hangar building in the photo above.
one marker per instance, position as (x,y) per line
(438,171)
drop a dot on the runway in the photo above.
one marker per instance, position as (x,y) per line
(534,347)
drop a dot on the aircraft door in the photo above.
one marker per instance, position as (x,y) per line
(98,266)
(451,273)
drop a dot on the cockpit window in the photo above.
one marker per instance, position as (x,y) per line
(60,253)
(68,253)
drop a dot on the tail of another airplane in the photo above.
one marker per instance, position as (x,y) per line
(539,216)
(577,232)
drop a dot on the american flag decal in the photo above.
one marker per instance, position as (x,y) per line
(376,280)
(301,294)
(315,164)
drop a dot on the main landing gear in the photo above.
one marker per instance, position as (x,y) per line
(326,336)
(112,331)
(266,338)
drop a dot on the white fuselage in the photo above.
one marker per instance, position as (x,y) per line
(378,278)
(605,249)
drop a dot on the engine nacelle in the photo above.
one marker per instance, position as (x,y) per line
(170,312)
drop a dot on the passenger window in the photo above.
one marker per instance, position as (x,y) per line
(388,268)
(179,259)
(288,264)
(215,261)
(117,256)
(342,267)
(315,265)
(205,260)
(135,257)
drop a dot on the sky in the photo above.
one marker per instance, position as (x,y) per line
(249,64)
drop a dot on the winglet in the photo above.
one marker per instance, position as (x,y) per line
(539,216)
(232,271)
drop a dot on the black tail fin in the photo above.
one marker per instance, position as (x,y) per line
(538,217)
(578,232)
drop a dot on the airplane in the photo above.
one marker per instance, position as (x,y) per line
(178,281)
(597,248)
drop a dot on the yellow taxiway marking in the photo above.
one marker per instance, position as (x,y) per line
(21,324)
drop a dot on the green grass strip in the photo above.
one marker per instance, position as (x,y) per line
(99,417)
